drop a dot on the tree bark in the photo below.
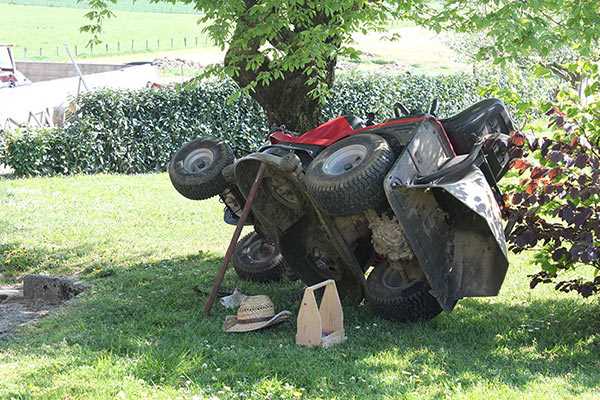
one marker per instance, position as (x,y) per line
(286,101)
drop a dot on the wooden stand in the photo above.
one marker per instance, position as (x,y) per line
(321,326)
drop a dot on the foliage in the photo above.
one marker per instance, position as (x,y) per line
(556,204)
(138,131)
(520,28)
(281,53)
(271,38)
(135,131)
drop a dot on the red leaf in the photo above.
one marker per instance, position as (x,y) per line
(554,172)
(538,172)
(574,141)
(517,139)
(523,181)
(531,187)
(520,164)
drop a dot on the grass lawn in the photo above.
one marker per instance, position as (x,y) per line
(139,332)
(49,28)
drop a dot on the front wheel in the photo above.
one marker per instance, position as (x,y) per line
(196,169)
(392,297)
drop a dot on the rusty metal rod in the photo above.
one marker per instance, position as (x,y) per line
(236,235)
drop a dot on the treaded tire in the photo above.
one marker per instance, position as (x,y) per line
(253,264)
(196,169)
(410,304)
(355,187)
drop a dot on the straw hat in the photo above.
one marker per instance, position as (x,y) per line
(255,312)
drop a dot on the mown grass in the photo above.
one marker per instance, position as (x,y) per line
(139,332)
(32,28)
(130,5)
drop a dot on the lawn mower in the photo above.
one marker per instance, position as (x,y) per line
(404,215)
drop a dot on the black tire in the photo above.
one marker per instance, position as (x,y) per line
(399,302)
(196,169)
(347,177)
(394,142)
(256,260)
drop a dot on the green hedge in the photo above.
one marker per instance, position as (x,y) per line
(138,131)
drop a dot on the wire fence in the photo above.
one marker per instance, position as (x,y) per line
(130,5)
(121,47)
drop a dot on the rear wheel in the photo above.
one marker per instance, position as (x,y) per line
(256,259)
(392,297)
(196,169)
(347,177)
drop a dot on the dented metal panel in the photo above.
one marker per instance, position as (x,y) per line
(453,224)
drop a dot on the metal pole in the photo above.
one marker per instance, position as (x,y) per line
(236,235)
(76,68)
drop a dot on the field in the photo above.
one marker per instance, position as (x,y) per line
(139,332)
(48,28)
(129,5)
(39,33)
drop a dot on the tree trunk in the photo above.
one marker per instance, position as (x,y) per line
(286,101)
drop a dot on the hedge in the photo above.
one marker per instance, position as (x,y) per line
(138,131)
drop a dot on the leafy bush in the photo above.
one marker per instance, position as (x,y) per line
(138,131)
(556,204)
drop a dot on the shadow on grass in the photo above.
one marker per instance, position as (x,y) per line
(148,318)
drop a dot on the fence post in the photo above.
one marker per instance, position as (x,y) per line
(196,41)
(171,42)
(107,47)
(157,43)
(56,51)
(146,44)
(24,52)
(184,42)
(118,46)
(131,44)
(75,50)
(40,51)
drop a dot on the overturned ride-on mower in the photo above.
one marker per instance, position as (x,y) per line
(404,214)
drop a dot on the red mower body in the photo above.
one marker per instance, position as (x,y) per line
(339,128)
(323,135)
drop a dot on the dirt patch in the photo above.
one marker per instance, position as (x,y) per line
(42,294)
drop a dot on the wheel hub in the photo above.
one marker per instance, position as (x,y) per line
(198,160)
(394,278)
(345,159)
(259,251)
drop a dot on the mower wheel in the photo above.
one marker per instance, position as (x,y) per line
(255,259)
(347,177)
(196,168)
(390,297)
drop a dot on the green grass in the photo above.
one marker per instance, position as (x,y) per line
(139,332)
(48,28)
